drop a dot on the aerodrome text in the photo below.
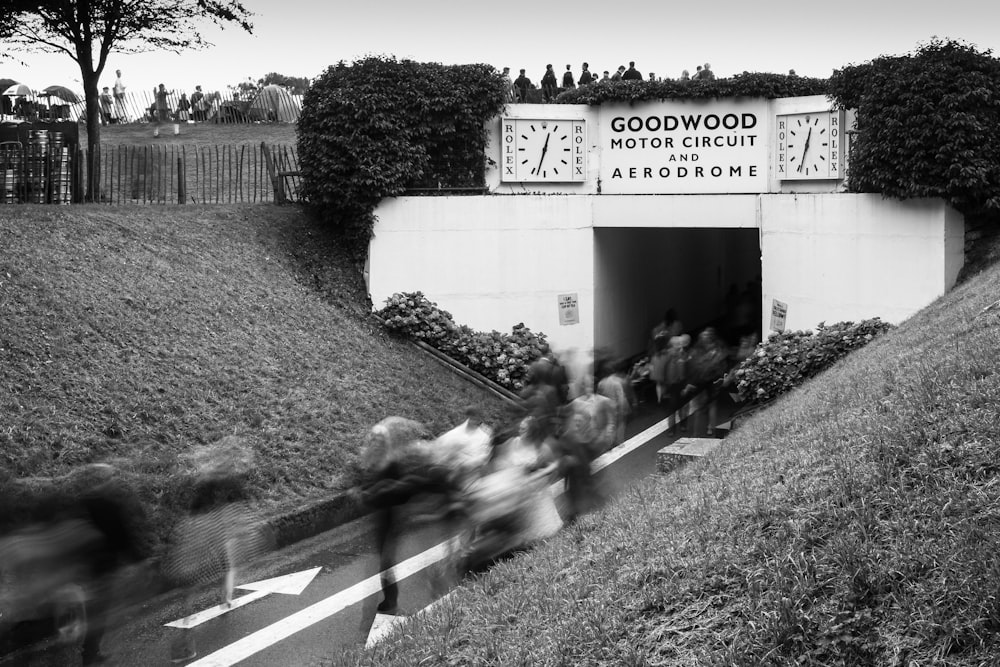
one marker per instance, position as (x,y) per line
(684,172)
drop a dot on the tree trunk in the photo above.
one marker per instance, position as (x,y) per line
(90,91)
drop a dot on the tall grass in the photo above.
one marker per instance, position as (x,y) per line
(854,522)
(130,334)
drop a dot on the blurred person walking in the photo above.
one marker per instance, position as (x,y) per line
(612,384)
(398,462)
(81,534)
(218,535)
(707,367)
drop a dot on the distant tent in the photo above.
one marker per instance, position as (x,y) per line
(274,103)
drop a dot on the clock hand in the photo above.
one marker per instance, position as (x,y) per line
(805,150)
(545,148)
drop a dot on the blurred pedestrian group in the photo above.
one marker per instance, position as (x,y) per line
(518,89)
(76,550)
(493,482)
(677,367)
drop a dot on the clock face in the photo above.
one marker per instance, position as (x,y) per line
(543,150)
(808,146)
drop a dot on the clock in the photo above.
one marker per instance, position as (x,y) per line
(808,145)
(539,150)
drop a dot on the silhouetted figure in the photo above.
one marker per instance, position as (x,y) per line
(567,79)
(549,84)
(632,74)
(522,83)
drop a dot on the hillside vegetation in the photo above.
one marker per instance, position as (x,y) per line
(131,334)
(855,521)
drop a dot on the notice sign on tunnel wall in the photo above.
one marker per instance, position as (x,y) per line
(569,309)
(779,311)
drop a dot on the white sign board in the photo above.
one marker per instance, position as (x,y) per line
(684,147)
(779,310)
(569,309)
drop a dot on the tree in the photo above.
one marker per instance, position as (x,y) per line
(928,125)
(89,30)
(296,85)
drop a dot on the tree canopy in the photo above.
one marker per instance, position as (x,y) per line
(928,125)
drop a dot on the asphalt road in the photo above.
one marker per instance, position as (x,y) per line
(339,589)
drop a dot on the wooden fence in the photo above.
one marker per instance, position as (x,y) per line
(264,106)
(158,174)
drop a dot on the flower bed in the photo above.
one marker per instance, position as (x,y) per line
(788,359)
(501,357)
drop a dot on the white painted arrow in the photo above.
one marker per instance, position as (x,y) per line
(287,584)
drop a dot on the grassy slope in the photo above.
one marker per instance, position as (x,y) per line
(854,522)
(131,334)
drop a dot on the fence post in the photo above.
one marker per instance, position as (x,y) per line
(79,175)
(181,180)
(276,181)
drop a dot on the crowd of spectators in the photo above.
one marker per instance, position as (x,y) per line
(551,85)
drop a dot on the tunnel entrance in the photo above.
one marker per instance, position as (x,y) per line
(708,276)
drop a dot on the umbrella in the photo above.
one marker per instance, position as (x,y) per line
(7,83)
(62,92)
(18,90)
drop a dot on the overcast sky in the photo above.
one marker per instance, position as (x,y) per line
(303,37)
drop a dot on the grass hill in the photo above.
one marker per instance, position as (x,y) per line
(856,521)
(130,334)
(853,522)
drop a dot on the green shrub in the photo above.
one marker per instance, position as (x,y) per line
(928,125)
(747,84)
(786,360)
(374,128)
(503,358)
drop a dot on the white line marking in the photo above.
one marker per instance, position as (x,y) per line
(300,620)
(214,612)
(385,623)
(286,627)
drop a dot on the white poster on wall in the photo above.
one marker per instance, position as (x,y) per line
(684,147)
(569,309)
(779,311)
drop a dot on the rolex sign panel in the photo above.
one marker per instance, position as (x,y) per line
(543,150)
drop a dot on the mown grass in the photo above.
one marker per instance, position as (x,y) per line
(195,134)
(853,522)
(131,334)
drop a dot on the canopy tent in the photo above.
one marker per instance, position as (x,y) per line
(62,92)
(18,90)
(274,103)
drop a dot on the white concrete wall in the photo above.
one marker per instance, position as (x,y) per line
(492,262)
(495,261)
(839,257)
